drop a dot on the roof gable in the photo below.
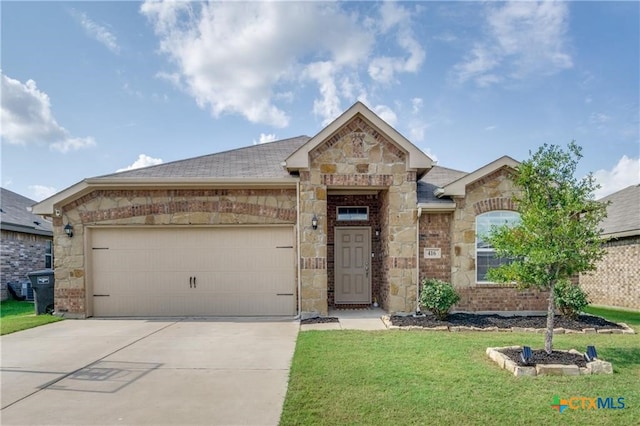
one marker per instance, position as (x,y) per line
(457,188)
(416,159)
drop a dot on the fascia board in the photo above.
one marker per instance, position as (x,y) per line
(437,207)
(418,160)
(458,187)
(46,207)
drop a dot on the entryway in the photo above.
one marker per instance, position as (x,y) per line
(352,265)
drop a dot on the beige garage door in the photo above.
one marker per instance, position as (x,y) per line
(232,271)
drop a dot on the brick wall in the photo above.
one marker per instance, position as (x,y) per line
(616,282)
(20,253)
(501,298)
(435,232)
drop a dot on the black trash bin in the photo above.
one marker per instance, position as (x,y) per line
(42,283)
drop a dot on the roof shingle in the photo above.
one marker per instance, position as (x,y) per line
(256,161)
(16,217)
(623,214)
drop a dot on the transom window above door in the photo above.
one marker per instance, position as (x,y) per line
(353,213)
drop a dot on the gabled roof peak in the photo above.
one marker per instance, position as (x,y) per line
(417,159)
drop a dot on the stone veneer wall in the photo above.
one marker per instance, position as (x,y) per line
(20,254)
(493,192)
(616,282)
(359,156)
(371,201)
(154,207)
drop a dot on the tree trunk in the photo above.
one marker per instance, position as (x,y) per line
(551,310)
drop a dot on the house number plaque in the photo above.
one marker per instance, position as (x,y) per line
(432,253)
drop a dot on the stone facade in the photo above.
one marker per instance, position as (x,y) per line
(492,192)
(153,207)
(616,282)
(21,253)
(358,156)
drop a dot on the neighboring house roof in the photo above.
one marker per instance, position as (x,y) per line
(623,214)
(14,215)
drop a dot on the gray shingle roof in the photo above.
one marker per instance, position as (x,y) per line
(16,217)
(256,161)
(623,214)
(435,178)
(265,161)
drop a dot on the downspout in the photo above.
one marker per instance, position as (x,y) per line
(298,250)
(418,260)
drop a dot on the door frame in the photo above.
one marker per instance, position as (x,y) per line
(336,232)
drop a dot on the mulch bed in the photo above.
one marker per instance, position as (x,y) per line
(541,357)
(486,321)
(319,320)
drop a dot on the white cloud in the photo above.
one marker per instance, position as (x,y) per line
(97,31)
(416,105)
(522,39)
(625,173)
(431,155)
(384,68)
(387,114)
(489,128)
(416,131)
(27,118)
(264,138)
(236,57)
(40,192)
(142,161)
(598,118)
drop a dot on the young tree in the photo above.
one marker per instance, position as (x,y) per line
(559,235)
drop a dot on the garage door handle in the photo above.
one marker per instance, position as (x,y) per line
(194,282)
(190,282)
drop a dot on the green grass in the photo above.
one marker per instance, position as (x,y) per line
(616,315)
(425,377)
(17,316)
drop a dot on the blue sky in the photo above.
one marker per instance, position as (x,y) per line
(89,88)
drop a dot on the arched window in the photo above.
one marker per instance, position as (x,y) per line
(485,254)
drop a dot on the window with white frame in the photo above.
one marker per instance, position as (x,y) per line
(48,255)
(486,258)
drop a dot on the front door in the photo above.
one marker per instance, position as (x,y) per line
(352,265)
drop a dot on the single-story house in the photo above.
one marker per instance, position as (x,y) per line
(354,215)
(616,282)
(25,242)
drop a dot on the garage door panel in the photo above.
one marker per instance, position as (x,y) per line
(193,271)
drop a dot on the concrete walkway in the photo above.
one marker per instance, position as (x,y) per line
(351,319)
(185,371)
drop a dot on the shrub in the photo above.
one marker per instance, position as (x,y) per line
(438,297)
(570,299)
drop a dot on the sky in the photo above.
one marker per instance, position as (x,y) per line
(91,88)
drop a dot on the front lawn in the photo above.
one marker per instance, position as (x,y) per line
(16,316)
(426,377)
(631,318)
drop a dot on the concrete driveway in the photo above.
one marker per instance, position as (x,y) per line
(183,371)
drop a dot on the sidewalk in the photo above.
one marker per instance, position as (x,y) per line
(351,319)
